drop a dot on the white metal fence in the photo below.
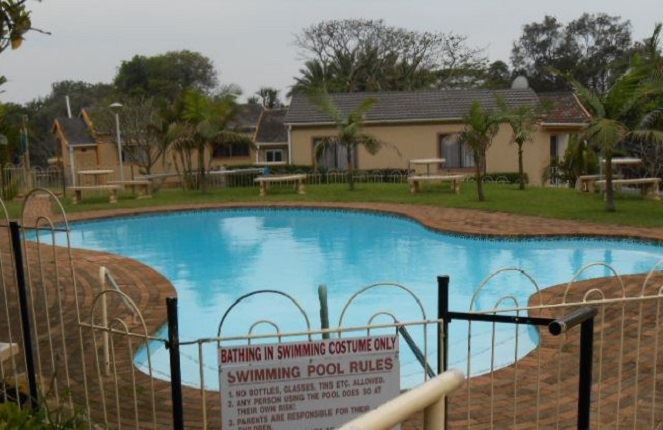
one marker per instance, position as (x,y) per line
(87,330)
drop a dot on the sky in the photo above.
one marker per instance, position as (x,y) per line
(251,41)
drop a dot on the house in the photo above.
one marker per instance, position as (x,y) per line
(426,124)
(412,124)
(80,146)
(271,138)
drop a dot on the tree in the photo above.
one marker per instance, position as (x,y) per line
(367,55)
(269,97)
(349,131)
(143,138)
(15,22)
(42,111)
(481,126)
(523,123)
(610,128)
(593,48)
(166,76)
(497,76)
(204,125)
(647,55)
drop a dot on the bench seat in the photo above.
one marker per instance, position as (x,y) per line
(140,187)
(416,180)
(649,187)
(111,189)
(297,180)
(587,183)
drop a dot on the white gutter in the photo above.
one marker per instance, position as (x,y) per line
(564,124)
(289,144)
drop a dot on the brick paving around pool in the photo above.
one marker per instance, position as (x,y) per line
(149,289)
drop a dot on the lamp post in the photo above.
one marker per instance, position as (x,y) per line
(116,109)
(4,142)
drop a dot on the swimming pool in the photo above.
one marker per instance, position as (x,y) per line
(214,256)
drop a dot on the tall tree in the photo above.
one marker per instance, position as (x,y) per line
(497,76)
(481,126)
(42,111)
(648,55)
(204,125)
(269,97)
(523,123)
(367,55)
(592,48)
(166,76)
(349,128)
(142,133)
(611,126)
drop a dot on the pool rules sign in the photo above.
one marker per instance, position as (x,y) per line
(317,385)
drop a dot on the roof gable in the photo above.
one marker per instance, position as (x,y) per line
(271,128)
(75,131)
(563,108)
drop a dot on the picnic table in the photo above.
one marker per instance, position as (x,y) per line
(297,180)
(426,162)
(99,175)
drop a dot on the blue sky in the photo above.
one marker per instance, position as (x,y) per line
(251,41)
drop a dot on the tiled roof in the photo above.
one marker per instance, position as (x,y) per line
(271,128)
(76,131)
(247,117)
(403,106)
(563,108)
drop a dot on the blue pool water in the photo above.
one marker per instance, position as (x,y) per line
(213,257)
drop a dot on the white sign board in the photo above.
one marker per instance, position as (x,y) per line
(317,385)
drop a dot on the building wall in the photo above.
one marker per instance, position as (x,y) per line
(106,157)
(410,141)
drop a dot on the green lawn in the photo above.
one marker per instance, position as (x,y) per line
(546,202)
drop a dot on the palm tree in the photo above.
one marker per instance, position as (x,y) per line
(611,125)
(523,122)
(481,126)
(349,131)
(205,125)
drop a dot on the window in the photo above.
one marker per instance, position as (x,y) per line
(457,155)
(332,156)
(274,155)
(554,147)
(228,151)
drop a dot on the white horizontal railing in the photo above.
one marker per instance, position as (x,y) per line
(429,396)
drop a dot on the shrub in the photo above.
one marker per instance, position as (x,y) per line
(508,177)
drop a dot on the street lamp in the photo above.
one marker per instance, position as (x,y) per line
(115,107)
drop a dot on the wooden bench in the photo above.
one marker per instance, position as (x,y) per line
(141,188)
(649,187)
(415,181)
(297,180)
(587,183)
(112,190)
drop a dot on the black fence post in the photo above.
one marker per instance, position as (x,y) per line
(175,369)
(442,329)
(585,383)
(443,333)
(585,317)
(324,310)
(26,328)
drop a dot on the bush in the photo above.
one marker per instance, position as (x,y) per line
(508,177)
(12,417)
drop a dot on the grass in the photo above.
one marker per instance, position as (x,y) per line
(546,202)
